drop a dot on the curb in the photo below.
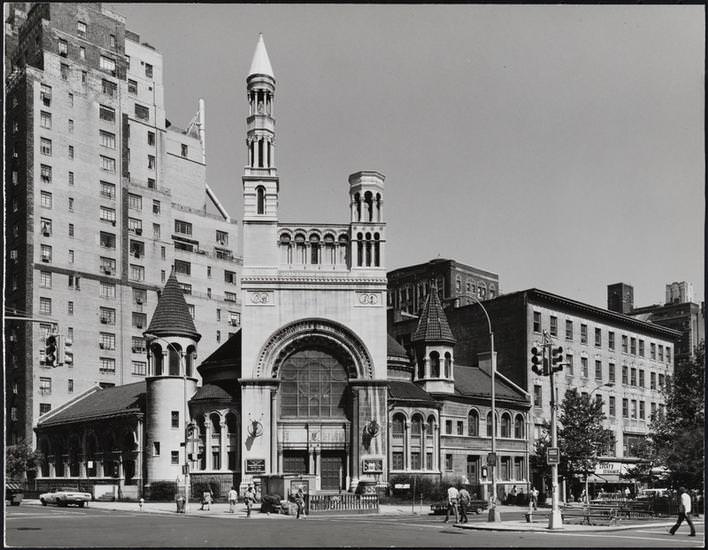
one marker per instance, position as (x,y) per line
(539,529)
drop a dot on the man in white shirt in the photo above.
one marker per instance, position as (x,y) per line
(452,496)
(684,512)
(233,498)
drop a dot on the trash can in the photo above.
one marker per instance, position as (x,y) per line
(13,493)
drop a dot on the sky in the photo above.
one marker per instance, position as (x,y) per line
(561,147)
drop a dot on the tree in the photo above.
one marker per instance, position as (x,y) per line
(677,435)
(20,459)
(582,438)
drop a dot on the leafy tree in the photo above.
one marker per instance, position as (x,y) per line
(677,435)
(20,459)
(581,436)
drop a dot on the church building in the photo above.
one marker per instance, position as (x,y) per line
(311,384)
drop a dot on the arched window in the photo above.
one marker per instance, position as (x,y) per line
(377,250)
(368,249)
(343,249)
(357,205)
(300,248)
(286,251)
(398,426)
(473,423)
(378,207)
(448,365)
(416,443)
(260,198)
(369,202)
(175,357)
(359,249)
(314,249)
(519,427)
(506,425)
(434,364)
(431,426)
(313,383)
(489,424)
(189,359)
(330,254)
(215,425)
(202,442)
(156,352)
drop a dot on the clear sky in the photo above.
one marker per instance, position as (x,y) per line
(558,146)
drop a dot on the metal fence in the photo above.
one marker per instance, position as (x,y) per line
(345,502)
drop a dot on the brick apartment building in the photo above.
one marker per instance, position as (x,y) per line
(104,195)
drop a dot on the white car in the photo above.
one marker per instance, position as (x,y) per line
(64,497)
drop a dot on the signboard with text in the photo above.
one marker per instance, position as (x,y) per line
(255,465)
(553,456)
(492,459)
(372,465)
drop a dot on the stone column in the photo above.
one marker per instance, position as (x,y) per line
(207,445)
(223,447)
(274,466)
(426,362)
(67,469)
(407,445)
(355,437)
(52,465)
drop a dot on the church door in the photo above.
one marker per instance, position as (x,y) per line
(333,470)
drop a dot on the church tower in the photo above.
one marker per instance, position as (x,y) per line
(260,178)
(433,342)
(171,342)
(367,222)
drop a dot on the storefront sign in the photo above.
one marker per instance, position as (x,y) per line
(255,465)
(492,459)
(372,465)
(401,485)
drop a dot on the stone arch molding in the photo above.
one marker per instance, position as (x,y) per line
(293,336)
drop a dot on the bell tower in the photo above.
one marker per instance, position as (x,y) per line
(260,178)
(367,222)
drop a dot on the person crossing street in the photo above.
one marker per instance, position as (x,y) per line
(684,512)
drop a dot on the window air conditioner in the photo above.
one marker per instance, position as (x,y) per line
(101,345)
(139,301)
(45,260)
(104,320)
(138,231)
(139,325)
(46,233)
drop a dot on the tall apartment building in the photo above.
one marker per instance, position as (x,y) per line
(679,312)
(104,197)
(456,283)
(614,357)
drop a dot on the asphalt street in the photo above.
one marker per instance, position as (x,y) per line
(90,527)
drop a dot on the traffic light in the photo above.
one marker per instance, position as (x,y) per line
(538,364)
(66,352)
(556,359)
(51,351)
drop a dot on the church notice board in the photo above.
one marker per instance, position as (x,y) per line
(372,465)
(255,465)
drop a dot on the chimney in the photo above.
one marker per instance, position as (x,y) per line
(620,298)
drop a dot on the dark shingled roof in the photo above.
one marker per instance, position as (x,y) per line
(211,392)
(433,325)
(396,350)
(103,403)
(473,381)
(408,391)
(171,317)
(226,356)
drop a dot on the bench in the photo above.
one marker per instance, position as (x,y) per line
(592,515)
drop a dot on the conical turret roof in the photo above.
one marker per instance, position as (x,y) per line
(261,62)
(432,325)
(171,317)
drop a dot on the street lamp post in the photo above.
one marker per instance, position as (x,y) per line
(494,514)
(183,364)
(587,485)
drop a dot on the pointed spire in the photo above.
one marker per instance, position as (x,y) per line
(261,61)
(432,325)
(171,317)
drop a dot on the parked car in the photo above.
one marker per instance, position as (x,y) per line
(476,506)
(64,497)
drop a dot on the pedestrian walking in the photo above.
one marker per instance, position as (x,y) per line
(249,499)
(512,496)
(206,500)
(452,499)
(300,502)
(233,498)
(534,498)
(465,501)
(140,503)
(684,512)
(626,493)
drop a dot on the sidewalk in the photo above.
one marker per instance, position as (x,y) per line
(523,526)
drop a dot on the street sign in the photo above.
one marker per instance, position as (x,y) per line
(492,459)
(553,456)
(401,485)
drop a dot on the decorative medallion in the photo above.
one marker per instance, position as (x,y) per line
(368,298)
(260,297)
